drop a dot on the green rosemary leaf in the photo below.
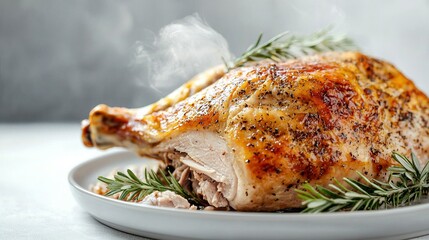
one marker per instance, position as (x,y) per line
(142,194)
(335,208)
(120,178)
(134,195)
(405,163)
(313,191)
(416,164)
(425,172)
(327,192)
(126,187)
(133,176)
(105,180)
(356,195)
(356,185)
(113,192)
(304,194)
(124,194)
(251,47)
(123,175)
(341,186)
(316,203)
(373,185)
(357,205)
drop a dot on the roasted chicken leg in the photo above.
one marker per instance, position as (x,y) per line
(251,136)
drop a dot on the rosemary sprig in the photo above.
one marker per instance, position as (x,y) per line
(132,188)
(285,46)
(407,183)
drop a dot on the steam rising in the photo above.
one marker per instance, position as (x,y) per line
(181,50)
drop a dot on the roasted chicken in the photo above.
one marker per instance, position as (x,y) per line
(247,138)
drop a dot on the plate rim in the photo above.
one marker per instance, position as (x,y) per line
(258,215)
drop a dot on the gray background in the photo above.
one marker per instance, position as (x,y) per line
(58,59)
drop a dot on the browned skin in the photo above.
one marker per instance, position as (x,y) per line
(312,119)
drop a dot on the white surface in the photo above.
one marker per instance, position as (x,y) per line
(35,199)
(190,224)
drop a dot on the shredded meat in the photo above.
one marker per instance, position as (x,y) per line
(166,199)
(210,190)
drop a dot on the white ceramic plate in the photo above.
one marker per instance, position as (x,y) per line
(167,223)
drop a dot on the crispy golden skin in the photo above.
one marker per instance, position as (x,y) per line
(306,120)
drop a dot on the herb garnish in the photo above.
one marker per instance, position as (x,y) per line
(285,46)
(132,188)
(406,184)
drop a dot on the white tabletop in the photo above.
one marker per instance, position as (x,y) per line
(35,199)
(36,203)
